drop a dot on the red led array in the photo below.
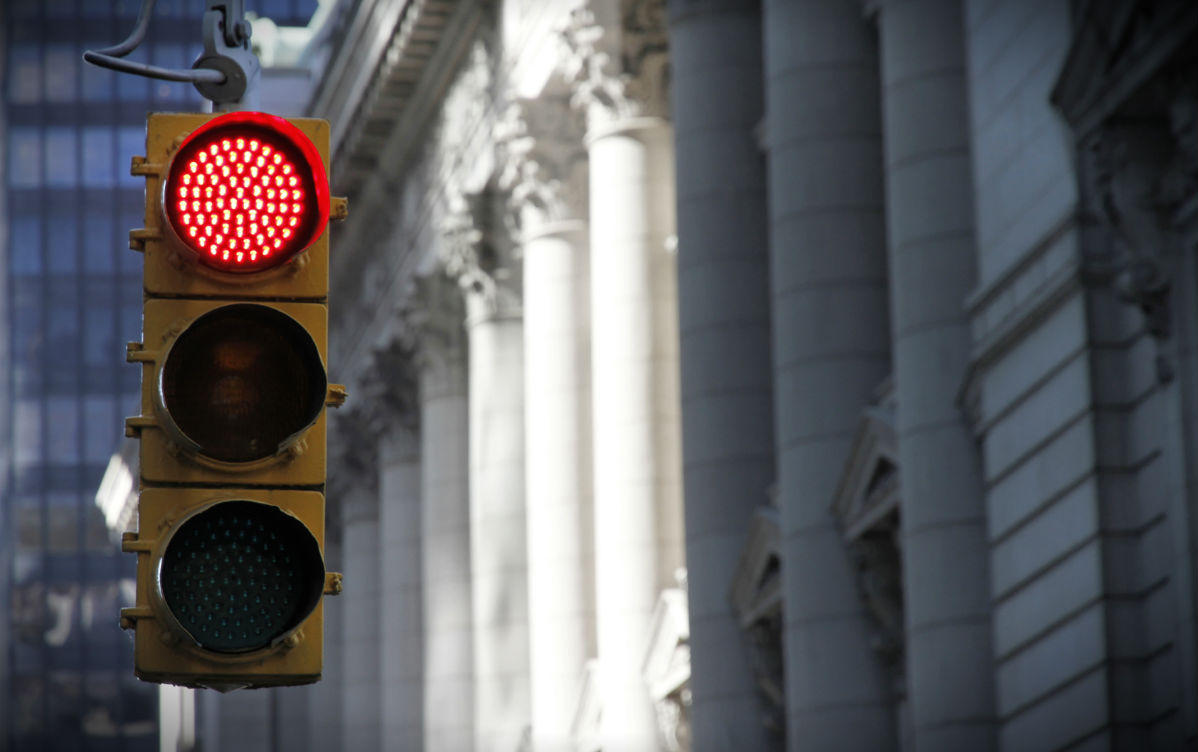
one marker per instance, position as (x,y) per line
(243,198)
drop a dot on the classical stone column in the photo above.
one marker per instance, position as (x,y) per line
(634,320)
(723,301)
(932,257)
(479,254)
(436,317)
(390,389)
(831,350)
(353,493)
(545,172)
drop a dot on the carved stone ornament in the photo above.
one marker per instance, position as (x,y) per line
(478,251)
(868,489)
(868,505)
(354,445)
(431,318)
(1122,171)
(389,386)
(384,397)
(618,73)
(542,161)
(1179,185)
(465,105)
(1118,45)
(667,666)
(1128,91)
(756,596)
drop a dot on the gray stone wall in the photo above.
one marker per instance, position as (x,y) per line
(1069,413)
(1022,152)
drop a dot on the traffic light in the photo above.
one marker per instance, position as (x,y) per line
(230,565)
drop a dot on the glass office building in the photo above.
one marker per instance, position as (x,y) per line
(71,299)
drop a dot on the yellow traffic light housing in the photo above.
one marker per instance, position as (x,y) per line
(228,587)
(234,388)
(175,268)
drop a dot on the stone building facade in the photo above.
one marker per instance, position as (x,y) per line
(761,375)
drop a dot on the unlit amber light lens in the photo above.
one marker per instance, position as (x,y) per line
(241,381)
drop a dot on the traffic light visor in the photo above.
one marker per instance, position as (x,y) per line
(240,575)
(242,382)
(246,191)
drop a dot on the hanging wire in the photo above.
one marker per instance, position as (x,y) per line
(110,57)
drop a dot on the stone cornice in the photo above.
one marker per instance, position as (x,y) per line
(618,73)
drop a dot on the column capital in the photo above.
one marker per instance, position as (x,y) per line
(389,386)
(385,396)
(432,320)
(619,68)
(353,459)
(479,252)
(542,161)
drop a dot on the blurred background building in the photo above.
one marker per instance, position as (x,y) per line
(723,375)
(71,299)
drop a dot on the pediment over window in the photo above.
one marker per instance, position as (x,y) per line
(757,582)
(1117,47)
(869,488)
(667,667)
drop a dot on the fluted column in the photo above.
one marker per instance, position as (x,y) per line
(436,317)
(483,263)
(354,492)
(723,300)
(637,453)
(930,219)
(546,173)
(391,393)
(830,333)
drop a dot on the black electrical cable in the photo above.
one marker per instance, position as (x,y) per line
(110,57)
(139,32)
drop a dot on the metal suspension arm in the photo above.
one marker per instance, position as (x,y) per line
(226,71)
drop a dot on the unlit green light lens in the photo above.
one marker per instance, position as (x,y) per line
(241,574)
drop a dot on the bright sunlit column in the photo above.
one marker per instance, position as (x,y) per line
(557,378)
(634,354)
(498,548)
(638,484)
(478,253)
(448,704)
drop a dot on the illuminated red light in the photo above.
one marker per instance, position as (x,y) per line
(226,162)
